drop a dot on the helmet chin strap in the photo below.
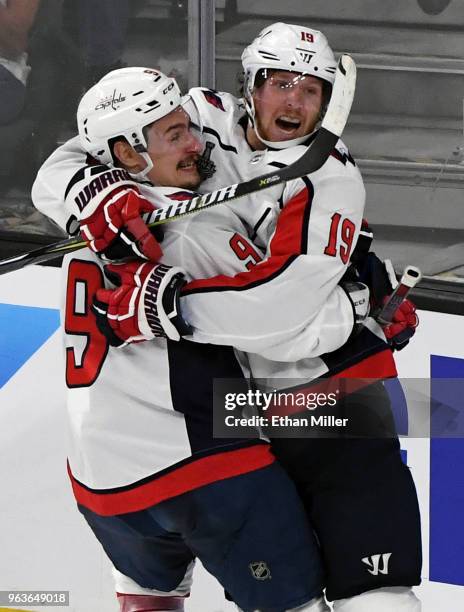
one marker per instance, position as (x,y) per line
(141,176)
(282,144)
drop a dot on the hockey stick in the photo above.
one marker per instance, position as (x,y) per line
(411,276)
(314,158)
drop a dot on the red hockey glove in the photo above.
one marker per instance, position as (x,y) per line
(145,304)
(403,325)
(116,229)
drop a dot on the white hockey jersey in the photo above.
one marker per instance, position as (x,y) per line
(289,245)
(141,418)
(312,226)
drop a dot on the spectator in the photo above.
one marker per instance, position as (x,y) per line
(16,20)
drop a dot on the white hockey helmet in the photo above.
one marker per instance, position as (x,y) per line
(122,103)
(283,46)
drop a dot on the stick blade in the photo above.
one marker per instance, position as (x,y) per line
(342,96)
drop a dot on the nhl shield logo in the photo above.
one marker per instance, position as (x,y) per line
(260,570)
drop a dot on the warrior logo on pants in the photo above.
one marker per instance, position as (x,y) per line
(374,563)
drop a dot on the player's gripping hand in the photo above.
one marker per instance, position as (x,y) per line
(381,279)
(403,325)
(144,305)
(116,230)
(358,294)
(379,276)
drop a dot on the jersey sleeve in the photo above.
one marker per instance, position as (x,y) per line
(294,293)
(70,185)
(208,107)
(324,333)
(52,180)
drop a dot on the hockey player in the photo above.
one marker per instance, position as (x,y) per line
(154,485)
(372,468)
(231,154)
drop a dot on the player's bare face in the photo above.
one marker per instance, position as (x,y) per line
(287,105)
(174,151)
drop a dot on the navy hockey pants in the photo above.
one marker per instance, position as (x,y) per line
(249,531)
(360,497)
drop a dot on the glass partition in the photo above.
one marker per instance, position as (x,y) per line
(405,130)
(50,53)
(406,126)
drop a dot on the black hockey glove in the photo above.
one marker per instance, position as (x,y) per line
(362,248)
(380,277)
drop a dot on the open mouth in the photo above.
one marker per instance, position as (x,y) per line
(187,164)
(287,124)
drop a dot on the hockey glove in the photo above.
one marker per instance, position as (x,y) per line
(358,294)
(403,325)
(116,229)
(381,279)
(145,304)
(379,276)
(361,251)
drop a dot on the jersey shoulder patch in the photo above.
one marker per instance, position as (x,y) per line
(342,153)
(212,97)
(208,99)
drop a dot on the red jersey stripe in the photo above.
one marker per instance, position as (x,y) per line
(198,473)
(286,244)
(379,366)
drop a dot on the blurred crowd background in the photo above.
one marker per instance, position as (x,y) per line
(406,128)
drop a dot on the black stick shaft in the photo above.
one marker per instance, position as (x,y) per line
(314,158)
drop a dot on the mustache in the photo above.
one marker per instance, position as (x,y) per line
(192,159)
